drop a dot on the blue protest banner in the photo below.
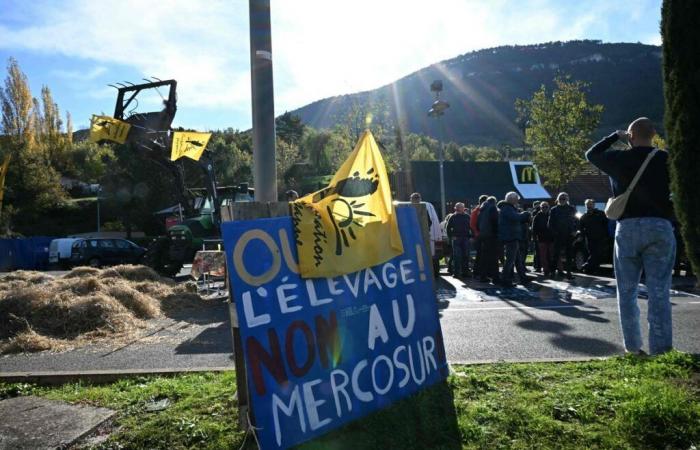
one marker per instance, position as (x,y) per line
(323,352)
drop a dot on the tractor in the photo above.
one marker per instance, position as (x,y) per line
(201,215)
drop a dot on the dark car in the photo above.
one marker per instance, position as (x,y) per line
(97,252)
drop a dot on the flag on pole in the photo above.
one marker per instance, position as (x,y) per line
(351,224)
(189,144)
(105,128)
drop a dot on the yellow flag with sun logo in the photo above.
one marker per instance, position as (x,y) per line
(351,224)
(189,144)
(105,128)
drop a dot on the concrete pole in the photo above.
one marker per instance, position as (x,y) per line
(264,167)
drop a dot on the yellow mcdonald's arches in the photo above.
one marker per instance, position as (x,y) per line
(351,224)
(189,144)
(527,175)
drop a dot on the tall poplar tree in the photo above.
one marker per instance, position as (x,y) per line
(32,185)
(681,70)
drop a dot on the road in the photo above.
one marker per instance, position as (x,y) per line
(548,321)
(480,323)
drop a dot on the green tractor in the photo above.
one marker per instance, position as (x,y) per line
(167,254)
(151,133)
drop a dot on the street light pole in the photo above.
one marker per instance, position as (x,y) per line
(441,158)
(264,165)
(99,191)
(437,111)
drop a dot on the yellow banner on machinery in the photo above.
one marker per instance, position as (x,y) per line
(351,224)
(189,144)
(105,128)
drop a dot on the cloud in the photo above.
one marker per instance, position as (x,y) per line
(321,48)
(80,75)
(203,45)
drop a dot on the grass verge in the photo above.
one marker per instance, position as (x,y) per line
(625,402)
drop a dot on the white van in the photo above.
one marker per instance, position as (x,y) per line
(60,251)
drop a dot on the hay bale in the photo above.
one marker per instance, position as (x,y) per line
(39,312)
(27,276)
(143,306)
(181,299)
(82,271)
(132,273)
(154,289)
(29,341)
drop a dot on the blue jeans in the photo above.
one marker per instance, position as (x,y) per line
(513,259)
(645,243)
(460,255)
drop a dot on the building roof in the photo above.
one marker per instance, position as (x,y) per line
(465,181)
(589,183)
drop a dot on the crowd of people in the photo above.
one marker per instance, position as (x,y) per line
(503,231)
(644,241)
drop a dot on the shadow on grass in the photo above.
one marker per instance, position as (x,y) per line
(424,420)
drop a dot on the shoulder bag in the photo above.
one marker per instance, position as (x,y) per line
(615,207)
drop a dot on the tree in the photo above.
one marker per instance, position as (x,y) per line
(32,184)
(681,67)
(286,156)
(290,128)
(559,128)
(17,103)
(423,153)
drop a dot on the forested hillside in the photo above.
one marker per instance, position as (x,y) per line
(482,87)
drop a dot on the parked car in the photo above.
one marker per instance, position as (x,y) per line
(60,251)
(97,252)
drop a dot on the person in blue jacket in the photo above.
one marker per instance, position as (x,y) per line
(510,232)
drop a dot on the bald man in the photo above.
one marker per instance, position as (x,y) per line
(644,235)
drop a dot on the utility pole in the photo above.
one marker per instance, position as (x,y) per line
(265,170)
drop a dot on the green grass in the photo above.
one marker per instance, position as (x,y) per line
(623,403)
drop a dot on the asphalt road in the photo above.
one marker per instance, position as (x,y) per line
(480,323)
(548,321)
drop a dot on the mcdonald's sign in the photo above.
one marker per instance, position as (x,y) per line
(526,174)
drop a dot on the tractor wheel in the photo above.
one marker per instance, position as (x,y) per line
(157,258)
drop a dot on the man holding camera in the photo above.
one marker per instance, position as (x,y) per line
(644,237)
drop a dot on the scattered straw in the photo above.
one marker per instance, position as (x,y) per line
(40,312)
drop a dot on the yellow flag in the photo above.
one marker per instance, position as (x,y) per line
(3,173)
(190,144)
(351,224)
(105,128)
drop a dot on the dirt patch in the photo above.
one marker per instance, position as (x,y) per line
(40,312)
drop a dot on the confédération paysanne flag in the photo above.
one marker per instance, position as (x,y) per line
(105,128)
(351,224)
(190,144)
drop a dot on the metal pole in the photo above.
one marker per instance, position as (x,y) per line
(264,167)
(98,209)
(442,169)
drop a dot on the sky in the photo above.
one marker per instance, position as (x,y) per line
(321,48)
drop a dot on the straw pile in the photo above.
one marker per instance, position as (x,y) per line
(41,312)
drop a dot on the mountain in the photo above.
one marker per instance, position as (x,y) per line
(482,87)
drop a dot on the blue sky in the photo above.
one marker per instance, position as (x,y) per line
(320,48)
